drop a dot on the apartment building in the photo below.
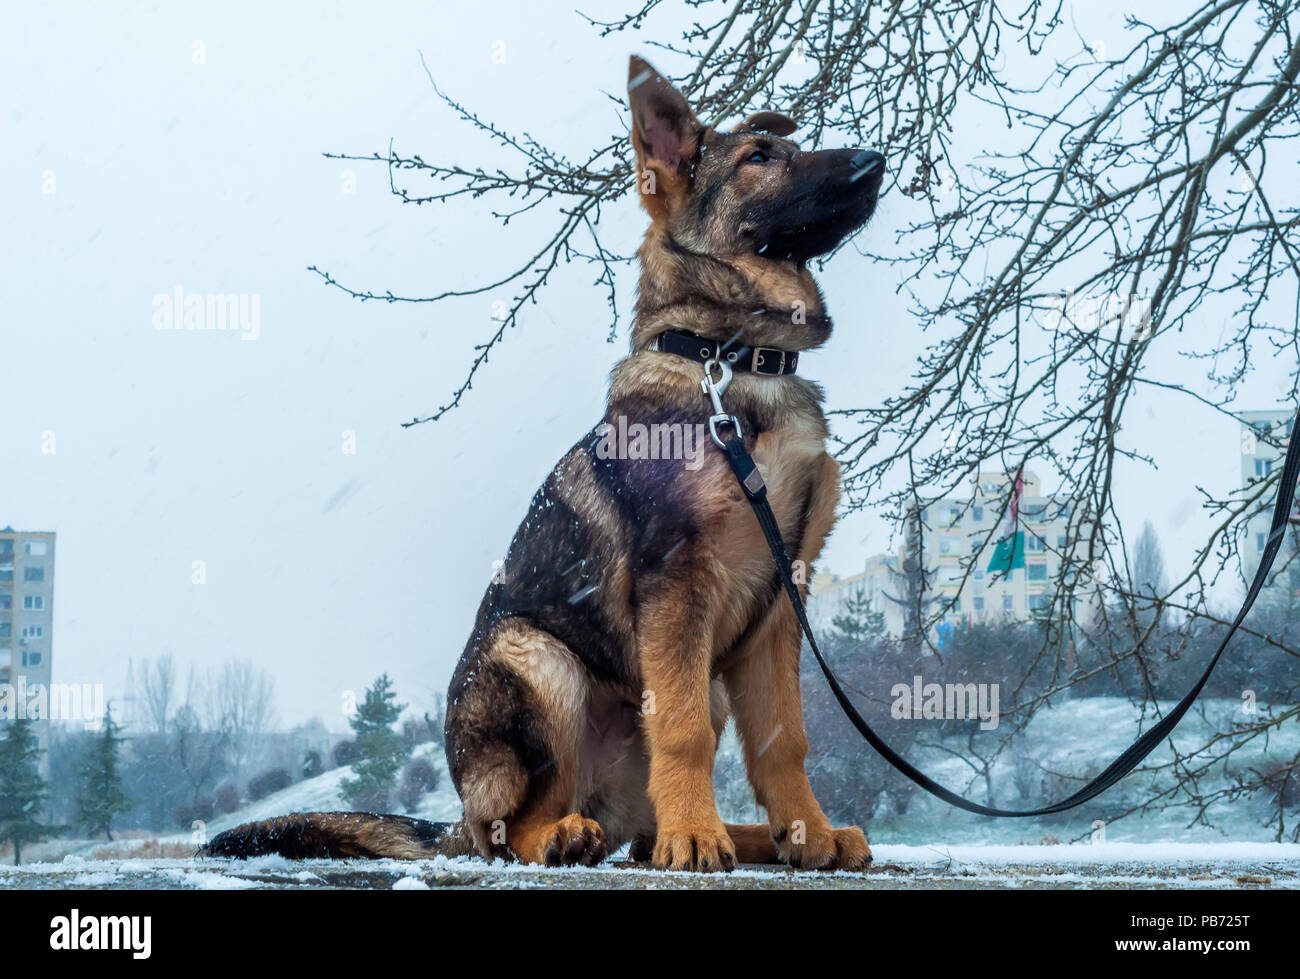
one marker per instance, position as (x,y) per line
(989,555)
(996,553)
(27,610)
(832,595)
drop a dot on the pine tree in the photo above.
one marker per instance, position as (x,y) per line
(858,619)
(22,790)
(100,796)
(383,752)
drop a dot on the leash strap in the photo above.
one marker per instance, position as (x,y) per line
(751,481)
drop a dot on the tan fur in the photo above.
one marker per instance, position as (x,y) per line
(753,842)
(548,666)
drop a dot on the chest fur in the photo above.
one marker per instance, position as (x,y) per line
(790,459)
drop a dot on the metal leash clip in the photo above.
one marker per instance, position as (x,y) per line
(714,389)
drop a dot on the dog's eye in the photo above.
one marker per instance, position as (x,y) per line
(758,156)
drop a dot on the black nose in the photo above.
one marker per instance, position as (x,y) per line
(866,163)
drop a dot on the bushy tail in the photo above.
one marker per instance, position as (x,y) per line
(363,835)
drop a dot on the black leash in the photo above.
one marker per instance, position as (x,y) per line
(751,481)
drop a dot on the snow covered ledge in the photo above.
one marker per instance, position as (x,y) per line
(1108,865)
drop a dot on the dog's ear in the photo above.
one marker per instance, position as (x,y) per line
(775,123)
(665,135)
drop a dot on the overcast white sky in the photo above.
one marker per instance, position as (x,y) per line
(174,447)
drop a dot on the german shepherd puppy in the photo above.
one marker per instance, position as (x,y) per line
(639,606)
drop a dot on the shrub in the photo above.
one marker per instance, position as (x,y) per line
(312,765)
(418,777)
(201,809)
(227,800)
(346,752)
(371,800)
(271,780)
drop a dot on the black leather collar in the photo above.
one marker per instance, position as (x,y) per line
(764,361)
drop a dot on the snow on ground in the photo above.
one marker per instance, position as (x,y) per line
(1108,865)
(1079,738)
(1155,851)
(321,794)
(1075,736)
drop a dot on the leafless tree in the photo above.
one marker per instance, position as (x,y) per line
(157,692)
(1148,562)
(1135,211)
(241,703)
(199,752)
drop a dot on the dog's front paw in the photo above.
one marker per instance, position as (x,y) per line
(822,848)
(705,847)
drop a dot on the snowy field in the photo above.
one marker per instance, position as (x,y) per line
(930,846)
(1078,738)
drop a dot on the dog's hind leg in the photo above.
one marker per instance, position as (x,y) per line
(516,717)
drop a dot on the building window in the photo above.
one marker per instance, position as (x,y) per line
(34,548)
(33,603)
(33,574)
(1007,604)
(1060,542)
(32,632)
(1263,467)
(1036,572)
(979,574)
(1261,540)
(6,630)
(977,514)
(6,601)
(1033,542)
(31,657)
(979,604)
(945,546)
(1037,601)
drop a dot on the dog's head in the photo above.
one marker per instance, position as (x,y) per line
(747,192)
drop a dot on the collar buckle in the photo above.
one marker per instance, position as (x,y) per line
(769,361)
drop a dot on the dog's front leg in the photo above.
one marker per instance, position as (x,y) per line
(763,687)
(674,643)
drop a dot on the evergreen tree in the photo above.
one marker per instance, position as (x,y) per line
(22,790)
(383,751)
(858,619)
(100,796)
